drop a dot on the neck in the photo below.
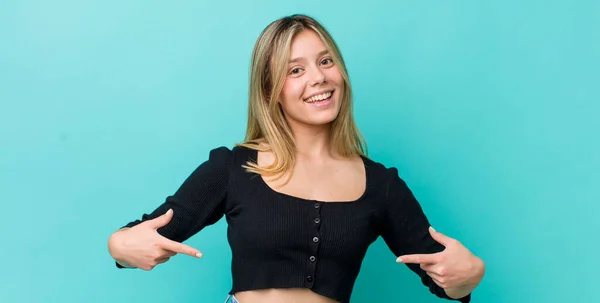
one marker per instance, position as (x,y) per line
(313,141)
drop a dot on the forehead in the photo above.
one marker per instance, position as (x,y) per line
(306,43)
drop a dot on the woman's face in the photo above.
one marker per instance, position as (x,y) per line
(311,92)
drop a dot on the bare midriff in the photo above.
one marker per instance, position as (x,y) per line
(287,295)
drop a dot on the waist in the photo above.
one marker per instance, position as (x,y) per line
(284,278)
(274,295)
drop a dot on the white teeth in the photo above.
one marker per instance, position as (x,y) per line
(319,97)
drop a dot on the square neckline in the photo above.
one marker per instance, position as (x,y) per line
(254,157)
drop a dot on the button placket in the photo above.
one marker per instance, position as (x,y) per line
(316,240)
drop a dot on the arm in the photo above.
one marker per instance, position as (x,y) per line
(405,230)
(197,203)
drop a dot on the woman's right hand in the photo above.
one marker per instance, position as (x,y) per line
(143,247)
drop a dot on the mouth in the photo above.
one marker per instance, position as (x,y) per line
(320,99)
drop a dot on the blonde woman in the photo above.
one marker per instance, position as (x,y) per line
(302,200)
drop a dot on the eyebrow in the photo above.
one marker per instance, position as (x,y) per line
(321,53)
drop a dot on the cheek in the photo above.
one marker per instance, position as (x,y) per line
(334,75)
(292,90)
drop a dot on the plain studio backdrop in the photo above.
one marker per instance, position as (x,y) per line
(490,111)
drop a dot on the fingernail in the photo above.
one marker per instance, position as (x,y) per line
(168,211)
(399,260)
(433,229)
(199,255)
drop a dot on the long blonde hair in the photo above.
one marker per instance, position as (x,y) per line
(266,122)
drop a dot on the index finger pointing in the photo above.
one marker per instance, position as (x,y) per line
(417,259)
(181,248)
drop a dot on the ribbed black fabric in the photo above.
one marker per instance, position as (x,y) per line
(282,241)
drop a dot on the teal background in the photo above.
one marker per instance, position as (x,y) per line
(488,109)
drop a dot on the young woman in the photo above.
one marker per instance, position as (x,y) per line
(302,200)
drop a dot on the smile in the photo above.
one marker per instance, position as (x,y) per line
(320,98)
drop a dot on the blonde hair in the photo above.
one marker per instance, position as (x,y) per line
(266,122)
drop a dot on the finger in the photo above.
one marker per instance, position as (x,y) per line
(439,237)
(162,260)
(435,269)
(180,248)
(418,259)
(161,220)
(438,280)
(167,253)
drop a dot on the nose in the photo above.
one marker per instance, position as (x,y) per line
(317,77)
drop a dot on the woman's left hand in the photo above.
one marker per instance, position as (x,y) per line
(453,267)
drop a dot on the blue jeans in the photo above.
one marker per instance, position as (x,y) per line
(231,299)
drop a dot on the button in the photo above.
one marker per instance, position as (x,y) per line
(317,205)
(316,239)
(317,220)
(309,278)
(312,258)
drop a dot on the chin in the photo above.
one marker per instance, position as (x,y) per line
(325,118)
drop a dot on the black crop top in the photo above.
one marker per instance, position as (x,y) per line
(281,241)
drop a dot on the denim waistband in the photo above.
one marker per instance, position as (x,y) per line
(231,299)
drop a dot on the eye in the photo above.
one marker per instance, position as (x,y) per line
(327,61)
(295,71)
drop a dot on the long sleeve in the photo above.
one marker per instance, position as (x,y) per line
(198,202)
(405,229)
